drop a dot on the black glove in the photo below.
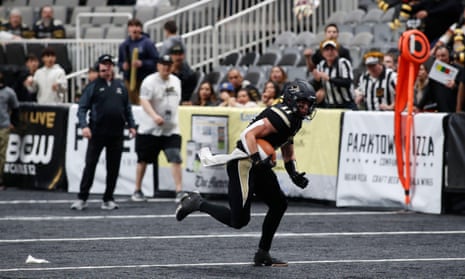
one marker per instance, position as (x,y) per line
(298,178)
(258,163)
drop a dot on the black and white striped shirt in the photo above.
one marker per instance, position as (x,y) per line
(381,90)
(339,89)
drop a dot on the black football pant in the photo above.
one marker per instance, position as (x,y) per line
(244,181)
(113,149)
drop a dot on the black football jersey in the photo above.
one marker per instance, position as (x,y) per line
(283,120)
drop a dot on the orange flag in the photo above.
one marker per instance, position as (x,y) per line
(414,50)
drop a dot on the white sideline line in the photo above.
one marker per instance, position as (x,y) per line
(153,216)
(227,264)
(239,235)
(72,200)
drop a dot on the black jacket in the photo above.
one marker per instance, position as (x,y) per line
(109,108)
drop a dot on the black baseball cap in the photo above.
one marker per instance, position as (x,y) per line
(105,58)
(165,59)
(177,49)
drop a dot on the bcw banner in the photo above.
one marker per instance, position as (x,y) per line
(35,153)
(367,173)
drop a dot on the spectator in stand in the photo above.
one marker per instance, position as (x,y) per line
(183,71)
(333,78)
(244,100)
(171,37)
(377,86)
(227,95)
(15,25)
(237,80)
(48,27)
(160,95)
(20,87)
(106,104)
(49,81)
(9,118)
(269,94)
(278,75)
(453,38)
(313,58)
(438,96)
(136,53)
(390,60)
(420,83)
(436,16)
(206,96)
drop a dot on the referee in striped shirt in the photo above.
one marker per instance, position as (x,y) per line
(333,78)
(377,86)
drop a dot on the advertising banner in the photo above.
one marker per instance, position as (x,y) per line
(35,156)
(368,168)
(76,152)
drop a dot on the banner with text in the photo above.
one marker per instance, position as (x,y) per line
(35,153)
(367,167)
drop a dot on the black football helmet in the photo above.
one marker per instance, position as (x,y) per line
(299,90)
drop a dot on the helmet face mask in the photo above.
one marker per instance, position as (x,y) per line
(297,95)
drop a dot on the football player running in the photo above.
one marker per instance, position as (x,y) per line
(253,173)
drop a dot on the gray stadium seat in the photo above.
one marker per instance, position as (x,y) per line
(268,59)
(345,38)
(354,17)
(286,38)
(373,16)
(69,3)
(296,72)
(248,59)
(231,59)
(387,16)
(363,27)
(116,32)
(336,17)
(61,13)
(99,20)
(14,3)
(120,20)
(144,14)
(80,9)
(256,77)
(95,32)
(96,3)
(289,59)
(304,39)
(363,39)
(40,3)
(382,33)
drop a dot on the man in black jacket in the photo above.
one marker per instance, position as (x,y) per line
(108,102)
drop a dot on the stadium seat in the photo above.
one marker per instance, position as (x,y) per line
(336,17)
(296,72)
(231,59)
(122,20)
(256,77)
(68,3)
(81,9)
(289,59)
(27,14)
(268,59)
(345,38)
(61,13)
(387,16)
(40,3)
(248,59)
(35,48)
(14,3)
(144,14)
(373,16)
(363,27)
(94,32)
(286,38)
(96,3)
(354,17)
(214,77)
(15,54)
(100,20)
(382,33)
(304,39)
(362,39)
(117,32)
